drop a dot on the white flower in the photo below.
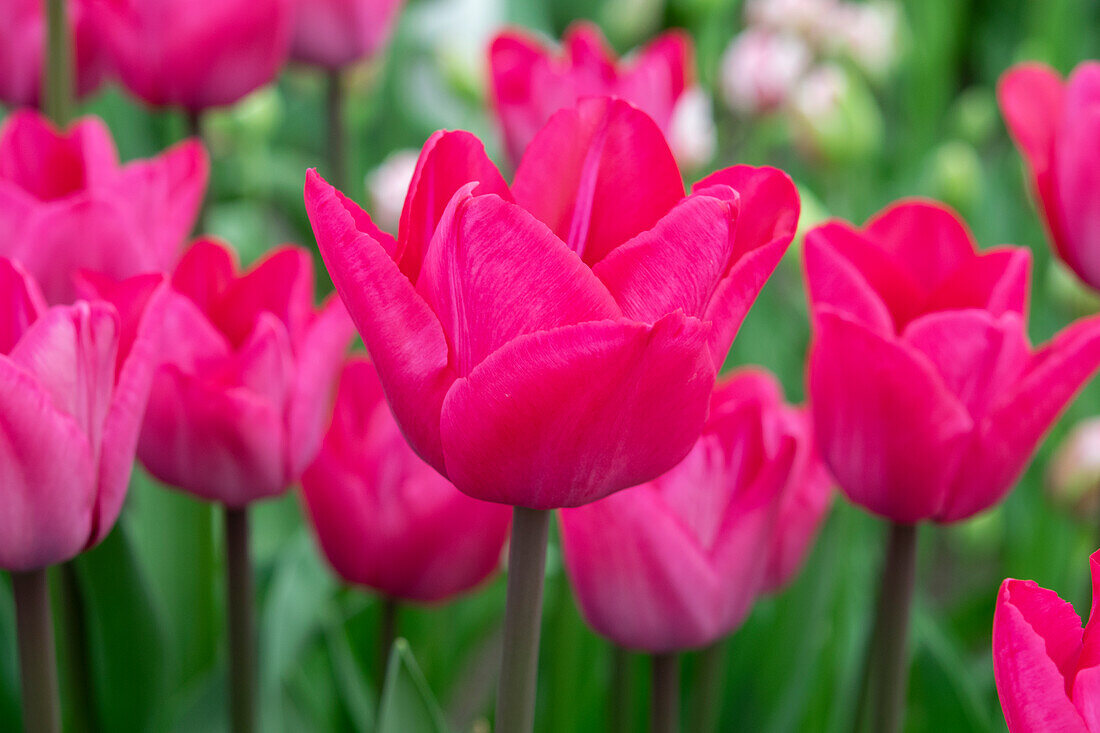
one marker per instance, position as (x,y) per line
(387,185)
(760,68)
(820,92)
(692,136)
(868,33)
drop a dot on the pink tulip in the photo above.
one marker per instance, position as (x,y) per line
(1047,668)
(1056,125)
(928,400)
(66,204)
(531,80)
(73,385)
(195,54)
(548,344)
(23,44)
(384,518)
(238,410)
(677,562)
(336,33)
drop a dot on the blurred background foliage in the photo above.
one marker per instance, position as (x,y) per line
(151,649)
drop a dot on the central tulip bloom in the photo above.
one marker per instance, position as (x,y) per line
(1056,125)
(531,81)
(1047,668)
(23,50)
(238,409)
(548,344)
(928,399)
(384,518)
(66,204)
(195,54)
(336,33)
(73,385)
(676,563)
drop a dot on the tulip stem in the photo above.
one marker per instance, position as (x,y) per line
(242,630)
(37,655)
(387,632)
(522,619)
(76,669)
(665,717)
(709,679)
(886,668)
(57,83)
(619,715)
(337,155)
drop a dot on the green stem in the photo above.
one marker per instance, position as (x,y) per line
(57,83)
(337,154)
(37,660)
(242,630)
(76,667)
(387,632)
(619,714)
(665,717)
(886,670)
(522,618)
(709,681)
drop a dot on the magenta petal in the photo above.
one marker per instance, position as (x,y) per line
(677,265)
(996,281)
(598,175)
(1030,96)
(1010,433)
(565,417)
(494,272)
(512,57)
(25,304)
(204,272)
(448,161)
(1036,640)
(403,335)
(48,163)
(769,205)
(281,284)
(834,281)
(1076,173)
(928,238)
(47,476)
(889,429)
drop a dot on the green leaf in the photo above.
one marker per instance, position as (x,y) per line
(407,704)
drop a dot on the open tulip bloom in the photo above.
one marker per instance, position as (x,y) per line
(928,400)
(549,343)
(337,33)
(1056,124)
(1046,666)
(66,204)
(73,384)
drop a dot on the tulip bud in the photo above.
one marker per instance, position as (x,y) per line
(974,115)
(760,70)
(957,174)
(867,33)
(836,116)
(1073,477)
(387,185)
(1067,290)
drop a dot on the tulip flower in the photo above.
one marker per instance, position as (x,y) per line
(337,33)
(531,80)
(927,398)
(66,204)
(195,54)
(1044,663)
(546,344)
(22,50)
(73,385)
(677,562)
(384,518)
(1055,126)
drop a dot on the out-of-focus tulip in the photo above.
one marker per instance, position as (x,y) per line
(928,400)
(194,54)
(384,518)
(66,204)
(1046,666)
(1073,475)
(387,186)
(548,344)
(23,50)
(531,81)
(692,134)
(1056,125)
(73,385)
(760,70)
(336,33)
(677,562)
(238,409)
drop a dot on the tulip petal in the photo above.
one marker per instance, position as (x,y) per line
(1086,684)
(48,163)
(403,335)
(676,265)
(565,417)
(204,272)
(889,429)
(1030,96)
(1036,639)
(513,56)
(494,272)
(769,205)
(996,281)
(280,284)
(1008,436)
(47,476)
(1076,174)
(448,161)
(930,240)
(25,304)
(598,175)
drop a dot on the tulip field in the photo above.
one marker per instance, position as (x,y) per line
(515,366)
